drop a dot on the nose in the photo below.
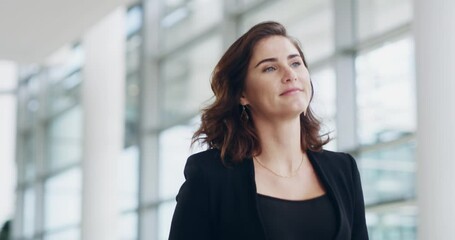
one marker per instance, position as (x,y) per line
(289,75)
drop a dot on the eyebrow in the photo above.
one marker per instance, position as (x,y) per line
(275,59)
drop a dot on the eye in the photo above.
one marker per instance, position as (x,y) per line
(269,69)
(296,64)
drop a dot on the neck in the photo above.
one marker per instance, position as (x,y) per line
(280,143)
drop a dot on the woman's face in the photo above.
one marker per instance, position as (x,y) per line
(277,83)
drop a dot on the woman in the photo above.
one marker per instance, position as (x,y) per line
(265,174)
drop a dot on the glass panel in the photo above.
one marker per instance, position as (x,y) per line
(376,16)
(324,102)
(65,62)
(128,170)
(64,138)
(29,154)
(133,49)
(67,234)
(28,227)
(33,84)
(170,4)
(21,95)
(311,22)
(172,162)
(393,223)
(31,111)
(28,97)
(132,110)
(65,93)
(128,226)
(132,88)
(62,200)
(165,212)
(386,92)
(389,174)
(182,22)
(133,20)
(248,2)
(186,79)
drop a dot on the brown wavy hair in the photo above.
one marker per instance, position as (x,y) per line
(222,126)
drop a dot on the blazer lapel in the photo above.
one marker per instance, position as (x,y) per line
(317,160)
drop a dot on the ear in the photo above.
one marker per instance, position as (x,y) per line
(243,100)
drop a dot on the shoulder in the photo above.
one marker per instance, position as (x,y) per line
(207,159)
(332,157)
(333,161)
(209,164)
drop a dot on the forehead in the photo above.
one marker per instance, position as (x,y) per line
(274,46)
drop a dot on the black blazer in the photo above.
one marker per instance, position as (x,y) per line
(218,202)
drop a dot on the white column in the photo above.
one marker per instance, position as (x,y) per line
(103,106)
(435,57)
(149,161)
(346,116)
(8,79)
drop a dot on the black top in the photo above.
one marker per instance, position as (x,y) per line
(219,202)
(312,219)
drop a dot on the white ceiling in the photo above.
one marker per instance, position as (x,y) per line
(30,31)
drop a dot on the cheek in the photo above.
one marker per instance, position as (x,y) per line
(251,90)
(254,84)
(305,79)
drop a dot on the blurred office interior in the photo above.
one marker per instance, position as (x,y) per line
(99,99)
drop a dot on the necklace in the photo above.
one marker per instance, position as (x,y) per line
(293,173)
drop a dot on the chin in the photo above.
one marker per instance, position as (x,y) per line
(299,108)
(292,113)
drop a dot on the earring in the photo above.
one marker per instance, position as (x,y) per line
(244,115)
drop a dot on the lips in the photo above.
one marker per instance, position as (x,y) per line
(290,91)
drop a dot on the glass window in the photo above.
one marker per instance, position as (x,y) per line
(189,19)
(172,162)
(64,78)
(133,80)
(389,174)
(31,111)
(186,79)
(170,4)
(165,213)
(132,90)
(132,94)
(62,200)
(133,20)
(64,138)
(28,227)
(128,226)
(377,16)
(324,102)
(65,62)
(398,222)
(33,84)
(29,154)
(133,54)
(248,2)
(386,92)
(65,93)
(67,234)
(311,22)
(128,170)
(28,101)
